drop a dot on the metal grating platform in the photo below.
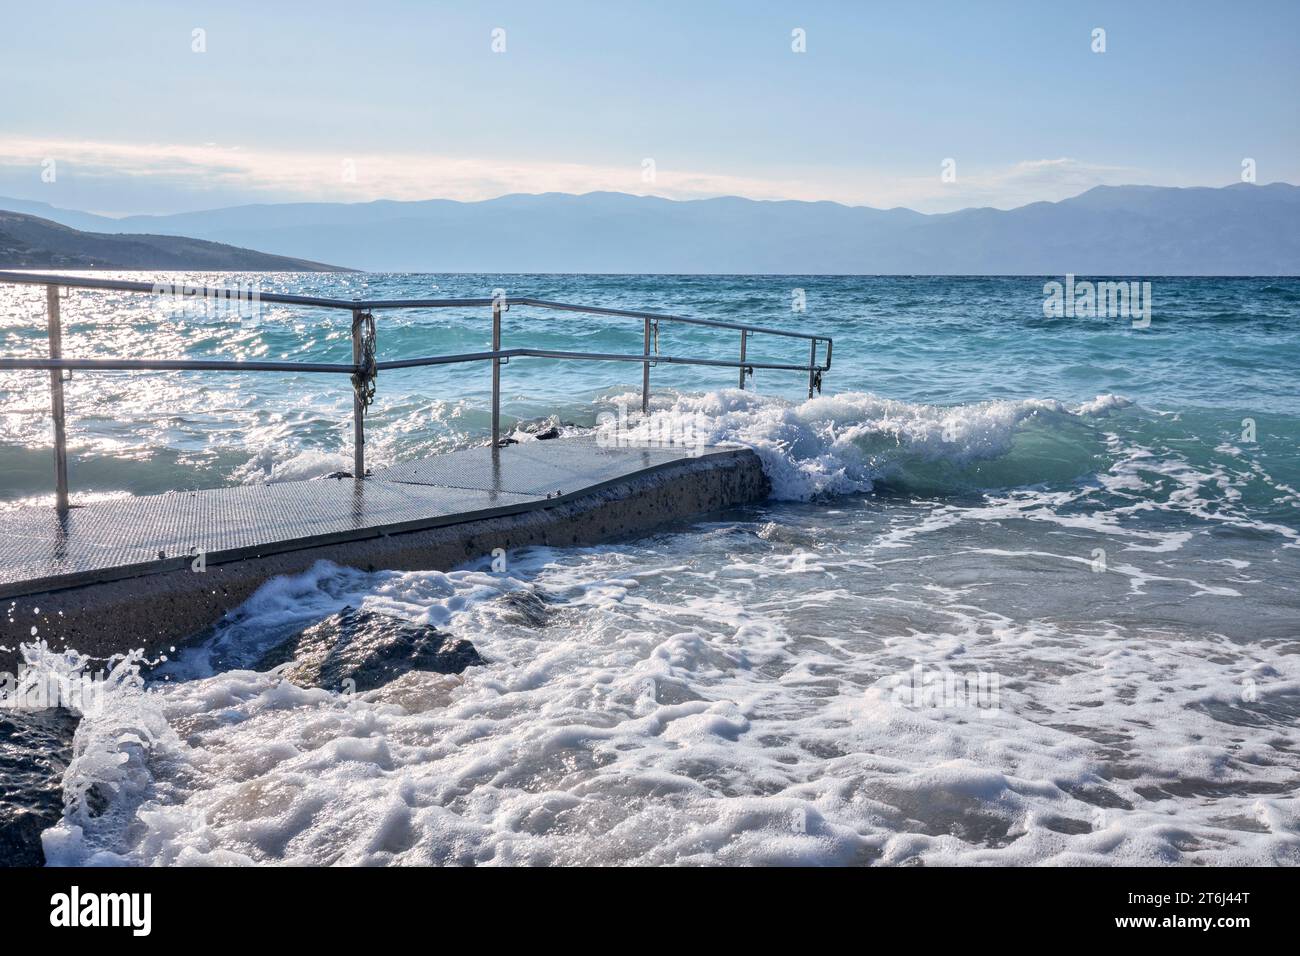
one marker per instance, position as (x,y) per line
(536,468)
(42,551)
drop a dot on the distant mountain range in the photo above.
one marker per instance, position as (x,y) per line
(1109,230)
(29,242)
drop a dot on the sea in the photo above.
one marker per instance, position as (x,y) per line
(1026,589)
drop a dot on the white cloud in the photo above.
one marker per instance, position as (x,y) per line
(286,175)
(232,173)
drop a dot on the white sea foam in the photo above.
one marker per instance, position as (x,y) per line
(276,464)
(731,694)
(702,698)
(845,443)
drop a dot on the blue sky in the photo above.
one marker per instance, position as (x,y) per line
(364,100)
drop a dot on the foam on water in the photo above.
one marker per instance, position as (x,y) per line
(1026,592)
(659,719)
(850,441)
(884,678)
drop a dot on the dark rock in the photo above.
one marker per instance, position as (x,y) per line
(35,748)
(528,607)
(543,429)
(369,649)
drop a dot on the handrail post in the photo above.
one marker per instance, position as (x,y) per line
(56,399)
(358,406)
(645,372)
(812,368)
(743,335)
(496,372)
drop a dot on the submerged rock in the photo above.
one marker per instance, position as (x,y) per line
(544,429)
(35,748)
(527,607)
(362,650)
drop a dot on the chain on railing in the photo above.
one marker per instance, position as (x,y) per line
(365,378)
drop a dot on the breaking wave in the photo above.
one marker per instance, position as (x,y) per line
(856,442)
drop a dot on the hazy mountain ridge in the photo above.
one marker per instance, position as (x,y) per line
(30,242)
(1115,230)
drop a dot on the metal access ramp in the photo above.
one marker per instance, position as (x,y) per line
(44,549)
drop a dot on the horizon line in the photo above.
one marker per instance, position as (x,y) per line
(641,196)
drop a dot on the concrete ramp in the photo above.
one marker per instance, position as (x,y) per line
(150,571)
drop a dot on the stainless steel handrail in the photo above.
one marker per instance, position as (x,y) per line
(363,368)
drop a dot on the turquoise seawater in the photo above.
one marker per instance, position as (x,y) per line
(1098,520)
(1216,352)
